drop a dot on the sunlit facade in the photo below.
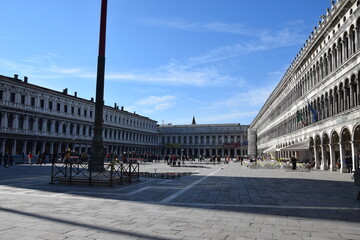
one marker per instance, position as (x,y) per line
(313,113)
(204,139)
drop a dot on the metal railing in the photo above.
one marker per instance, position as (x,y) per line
(80,173)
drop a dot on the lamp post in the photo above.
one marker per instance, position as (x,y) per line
(97,156)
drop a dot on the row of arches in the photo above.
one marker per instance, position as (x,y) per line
(337,54)
(21,147)
(338,99)
(314,72)
(201,139)
(329,150)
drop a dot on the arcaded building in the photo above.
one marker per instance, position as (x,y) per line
(313,113)
(204,139)
(36,119)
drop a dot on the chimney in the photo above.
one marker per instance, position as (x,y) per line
(16,76)
(65,91)
(115,105)
(75,94)
(122,108)
(92,99)
(25,79)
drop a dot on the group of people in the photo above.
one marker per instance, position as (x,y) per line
(39,158)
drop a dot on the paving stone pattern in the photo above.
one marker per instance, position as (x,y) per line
(218,202)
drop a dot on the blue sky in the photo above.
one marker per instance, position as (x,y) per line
(168,60)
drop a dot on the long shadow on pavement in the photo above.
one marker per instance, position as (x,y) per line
(296,197)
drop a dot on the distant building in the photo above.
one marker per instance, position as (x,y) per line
(204,139)
(314,112)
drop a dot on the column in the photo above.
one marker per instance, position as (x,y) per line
(354,153)
(351,104)
(316,156)
(322,162)
(342,159)
(34,148)
(51,147)
(332,158)
(24,147)
(59,147)
(346,102)
(13,150)
(356,39)
(5,120)
(42,147)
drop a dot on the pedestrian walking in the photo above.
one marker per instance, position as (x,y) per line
(30,156)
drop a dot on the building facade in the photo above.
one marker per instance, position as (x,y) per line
(40,120)
(313,113)
(36,119)
(204,139)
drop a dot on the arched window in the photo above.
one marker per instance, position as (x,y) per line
(21,122)
(71,128)
(57,125)
(90,131)
(10,120)
(64,128)
(48,125)
(78,129)
(31,123)
(40,124)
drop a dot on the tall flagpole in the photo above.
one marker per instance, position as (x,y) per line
(97,150)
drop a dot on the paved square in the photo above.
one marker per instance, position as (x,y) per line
(219,202)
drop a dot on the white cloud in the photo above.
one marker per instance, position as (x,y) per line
(288,35)
(182,24)
(252,98)
(41,66)
(153,100)
(232,117)
(163,106)
(153,104)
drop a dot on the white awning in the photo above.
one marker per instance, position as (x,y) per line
(300,146)
(271,149)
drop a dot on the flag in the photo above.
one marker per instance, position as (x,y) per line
(299,118)
(313,113)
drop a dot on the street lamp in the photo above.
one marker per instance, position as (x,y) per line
(97,156)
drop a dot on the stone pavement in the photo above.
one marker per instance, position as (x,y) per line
(219,202)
